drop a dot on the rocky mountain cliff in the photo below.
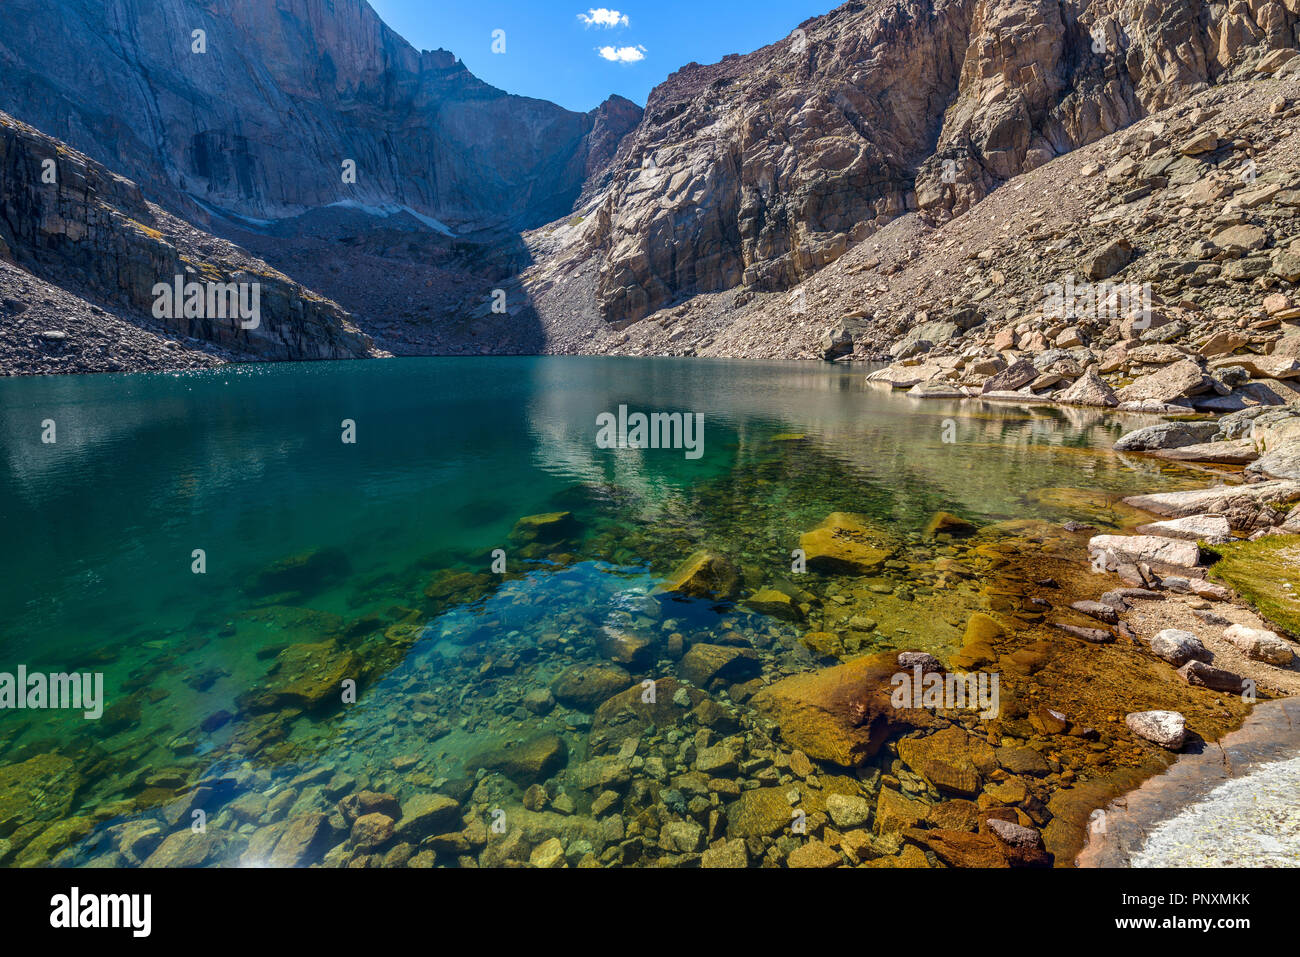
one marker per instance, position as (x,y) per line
(254,106)
(762,169)
(83,255)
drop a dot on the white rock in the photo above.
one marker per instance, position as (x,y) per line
(847,810)
(1135,549)
(1260,645)
(1178,647)
(1165,728)
(1213,529)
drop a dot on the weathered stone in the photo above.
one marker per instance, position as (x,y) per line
(951,759)
(1178,647)
(1201,675)
(1108,259)
(1165,728)
(1246,507)
(1148,549)
(1260,644)
(1090,390)
(1167,435)
(1210,529)
(704,664)
(704,575)
(845,544)
(1175,381)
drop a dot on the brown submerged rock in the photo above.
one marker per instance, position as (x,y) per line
(951,760)
(527,762)
(704,575)
(845,544)
(307,676)
(635,709)
(841,714)
(585,686)
(705,664)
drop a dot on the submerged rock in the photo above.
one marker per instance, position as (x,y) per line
(704,575)
(38,789)
(704,664)
(548,527)
(189,849)
(761,812)
(770,601)
(309,676)
(946,523)
(305,574)
(531,761)
(639,707)
(951,760)
(585,686)
(845,544)
(841,714)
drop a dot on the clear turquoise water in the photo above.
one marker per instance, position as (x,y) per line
(247,464)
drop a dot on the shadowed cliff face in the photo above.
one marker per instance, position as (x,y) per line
(287,91)
(68,221)
(762,169)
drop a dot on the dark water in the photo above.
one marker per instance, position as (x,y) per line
(247,464)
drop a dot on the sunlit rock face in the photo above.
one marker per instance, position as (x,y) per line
(762,169)
(258,114)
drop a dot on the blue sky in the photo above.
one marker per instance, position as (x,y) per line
(577,55)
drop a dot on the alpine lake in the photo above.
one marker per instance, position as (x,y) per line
(413,613)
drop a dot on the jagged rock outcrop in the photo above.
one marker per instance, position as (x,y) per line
(1042,77)
(762,169)
(258,115)
(70,221)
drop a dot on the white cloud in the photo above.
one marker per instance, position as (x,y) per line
(623,54)
(603,17)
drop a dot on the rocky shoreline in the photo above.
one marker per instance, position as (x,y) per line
(1121,832)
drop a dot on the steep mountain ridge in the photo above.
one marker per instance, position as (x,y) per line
(761,170)
(257,114)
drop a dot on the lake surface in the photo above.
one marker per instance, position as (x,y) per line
(380,554)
